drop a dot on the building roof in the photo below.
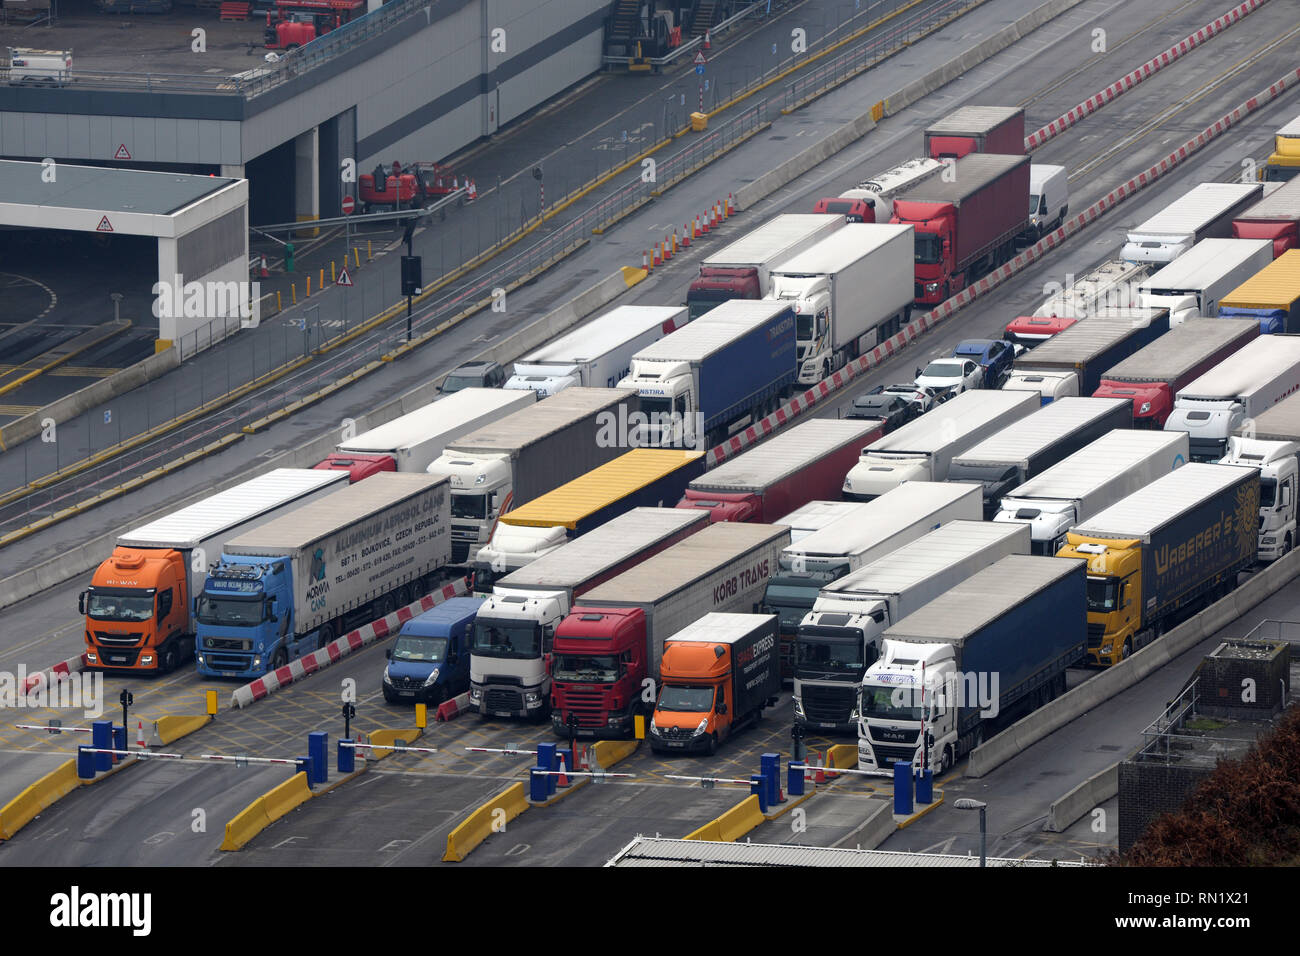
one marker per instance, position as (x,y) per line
(659,851)
(105,189)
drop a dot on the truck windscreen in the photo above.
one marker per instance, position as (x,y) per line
(520,640)
(410,647)
(1103,595)
(928,249)
(879,702)
(687,700)
(1267,492)
(829,653)
(229,610)
(585,667)
(469,506)
(120,606)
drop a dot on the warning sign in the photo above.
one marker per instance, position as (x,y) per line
(104,225)
(699,59)
(122,152)
(344,278)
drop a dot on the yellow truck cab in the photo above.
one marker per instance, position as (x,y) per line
(1284,162)
(717,675)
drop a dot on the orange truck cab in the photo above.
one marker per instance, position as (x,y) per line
(716,677)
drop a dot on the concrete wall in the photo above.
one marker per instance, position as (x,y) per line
(80,136)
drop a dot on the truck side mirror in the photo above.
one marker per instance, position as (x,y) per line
(388,654)
(81,603)
(722,707)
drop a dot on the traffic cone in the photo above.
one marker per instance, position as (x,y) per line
(668,249)
(139,734)
(473,191)
(264,274)
(563,779)
(731,205)
(830,766)
(821,774)
(686,236)
(704,224)
(707,45)
(645,260)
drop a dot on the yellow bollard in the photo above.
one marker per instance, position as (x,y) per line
(293,291)
(309,285)
(322,278)
(333,277)
(356,257)
(279,305)
(212,703)
(369,257)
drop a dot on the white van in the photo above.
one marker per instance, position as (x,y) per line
(1049,199)
(51,67)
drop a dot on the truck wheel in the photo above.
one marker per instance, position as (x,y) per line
(168,662)
(1286,546)
(386,605)
(1127,649)
(279,659)
(946,761)
(403,596)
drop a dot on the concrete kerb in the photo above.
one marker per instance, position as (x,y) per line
(1110,682)
(1093,792)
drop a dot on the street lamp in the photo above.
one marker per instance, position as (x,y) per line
(965,803)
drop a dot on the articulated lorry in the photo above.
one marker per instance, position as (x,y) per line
(1164,553)
(1271,443)
(718,674)
(729,367)
(1073,361)
(850,292)
(815,515)
(413,441)
(977,129)
(1193,284)
(1243,386)
(1206,211)
(923,448)
(644,477)
(1271,297)
(609,648)
(1284,162)
(597,355)
(966,223)
(1027,448)
(787,470)
(516,626)
(1155,373)
(139,607)
(898,517)
(1276,218)
(742,269)
(840,637)
(1092,479)
(877,193)
(1100,291)
(291,586)
(971,662)
(526,454)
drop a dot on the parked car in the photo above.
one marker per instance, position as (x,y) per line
(923,398)
(474,375)
(993,355)
(951,376)
(892,410)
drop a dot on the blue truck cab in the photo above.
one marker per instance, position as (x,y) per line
(245,619)
(995,355)
(429,662)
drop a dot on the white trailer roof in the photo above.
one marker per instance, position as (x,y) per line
(444,415)
(335,512)
(1196,208)
(712,331)
(770,239)
(602,548)
(1281,203)
(841,249)
(982,598)
(1291,128)
(1096,464)
(1279,423)
(537,421)
(815,515)
(603,334)
(1255,365)
(784,454)
(881,518)
(939,426)
(1173,353)
(663,575)
(1161,501)
(972,119)
(195,523)
(1204,262)
(1084,341)
(1041,429)
(720,627)
(926,556)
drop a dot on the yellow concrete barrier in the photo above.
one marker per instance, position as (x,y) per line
(289,795)
(173,727)
(389,736)
(44,793)
(478,826)
(633,274)
(265,810)
(708,832)
(610,752)
(733,824)
(843,757)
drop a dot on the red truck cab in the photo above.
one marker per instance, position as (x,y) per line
(137,611)
(1152,401)
(1032,330)
(717,284)
(1284,234)
(358,467)
(853,210)
(597,667)
(724,507)
(933,222)
(294,23)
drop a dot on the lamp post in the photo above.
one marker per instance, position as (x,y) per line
(965,803)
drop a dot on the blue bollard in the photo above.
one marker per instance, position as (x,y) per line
(347,759)
(758,785)
(85,763)
(119,742)
(538,786)
(794,783)
(770,768)
(903,788)
(318,745)
(304,766)
(547,760)
(925,786)
(101,735)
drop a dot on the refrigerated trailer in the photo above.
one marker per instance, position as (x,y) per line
(1206,211)
(1193,284)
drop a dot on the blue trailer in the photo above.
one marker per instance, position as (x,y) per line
(429,662)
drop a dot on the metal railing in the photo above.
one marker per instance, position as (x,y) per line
(757,10)
(1162,741)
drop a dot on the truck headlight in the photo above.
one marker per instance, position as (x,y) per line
(476,694)
(199,656)
(798,706)
(1268,539)
(1108,648)
(654,728)
(1146,407)
(257,661)
(532,700)
(931,287)
(701,728)
(848,484)
(432,678)
(387,678)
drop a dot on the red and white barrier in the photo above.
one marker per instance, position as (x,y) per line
(352,641)
(1151,67)
(56,674)
(451,709)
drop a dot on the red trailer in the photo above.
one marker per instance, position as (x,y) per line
(1276,217)
(294,23)
(966,220)
(805,463)
(977,129)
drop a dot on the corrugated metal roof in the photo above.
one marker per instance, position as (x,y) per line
(1041,429)
(842,248)
(984,597)
(602,335)
(1084,341)
(1097,463)
(1282,203)
(958,416)
(883,517)
(602,486)
(659,851)
(1291,128)
(102,189)
(773,236)
(1182,348)
(1197,208)
(973,119)
(1159,502)
(1253,366)
(1279,423)
(971,173)
(443,415)
(535,422)
(1216,256)
(713,330)
(784,454)
(1275,286)
(928,555)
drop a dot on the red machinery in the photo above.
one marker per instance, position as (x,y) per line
(295,23)
(410,185)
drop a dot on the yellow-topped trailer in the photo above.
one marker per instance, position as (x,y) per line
(1284,162)
(1164,553)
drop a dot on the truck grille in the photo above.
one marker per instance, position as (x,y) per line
(1095,633)
(677,733)
(459,551)
(227,644)
(119,640)
(888,756)
(228,662)
(407,683)
(895,736)
(828,704)
(587,705)
(510,700)
(116,658)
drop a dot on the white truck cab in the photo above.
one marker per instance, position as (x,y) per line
(810,297)
(668,401)
(480,486)
(508,671)
(1279,477)
(891,723)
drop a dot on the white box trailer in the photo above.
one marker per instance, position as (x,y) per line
(1194,283)
(1206,211)
(850,292)
(597,355)
(1251,380)
(815,515)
